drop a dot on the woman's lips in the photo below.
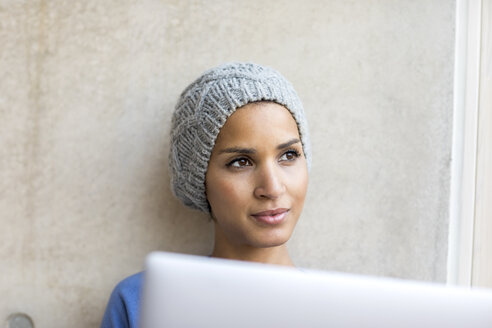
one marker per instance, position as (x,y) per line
(271,217)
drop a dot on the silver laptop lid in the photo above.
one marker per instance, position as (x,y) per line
(193,291)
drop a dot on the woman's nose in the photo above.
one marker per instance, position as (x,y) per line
(269,183)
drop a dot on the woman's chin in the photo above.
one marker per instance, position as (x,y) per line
(271,240)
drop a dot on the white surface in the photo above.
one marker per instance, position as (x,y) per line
(189,291)
(470,228)
(482,256)
(465,130)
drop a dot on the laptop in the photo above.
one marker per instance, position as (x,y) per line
(194,291)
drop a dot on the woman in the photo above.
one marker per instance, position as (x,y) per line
(240,152)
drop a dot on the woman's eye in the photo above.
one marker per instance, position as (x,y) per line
(289,155)
(240,162)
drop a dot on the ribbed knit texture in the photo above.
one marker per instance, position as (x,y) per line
(203,109)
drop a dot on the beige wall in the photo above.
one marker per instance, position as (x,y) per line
(86,92)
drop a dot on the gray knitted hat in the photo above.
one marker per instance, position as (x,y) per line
(203,109)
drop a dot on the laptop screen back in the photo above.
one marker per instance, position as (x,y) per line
(194,291)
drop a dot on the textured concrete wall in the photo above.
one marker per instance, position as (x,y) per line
(86,92)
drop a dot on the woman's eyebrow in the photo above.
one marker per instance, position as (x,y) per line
(288,143)
(237,150)
(240,150)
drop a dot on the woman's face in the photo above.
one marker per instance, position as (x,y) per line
(257,176)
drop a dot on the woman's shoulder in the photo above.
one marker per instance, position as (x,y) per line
(130,285)
(124,303)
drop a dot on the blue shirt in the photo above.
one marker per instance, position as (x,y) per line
(123,308)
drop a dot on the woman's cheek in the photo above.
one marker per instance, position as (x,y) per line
(238,187)
(228,187)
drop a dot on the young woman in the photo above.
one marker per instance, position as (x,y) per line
(239,152)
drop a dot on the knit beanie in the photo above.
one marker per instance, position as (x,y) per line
(203,109)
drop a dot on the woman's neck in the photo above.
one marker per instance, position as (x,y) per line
(271,255)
